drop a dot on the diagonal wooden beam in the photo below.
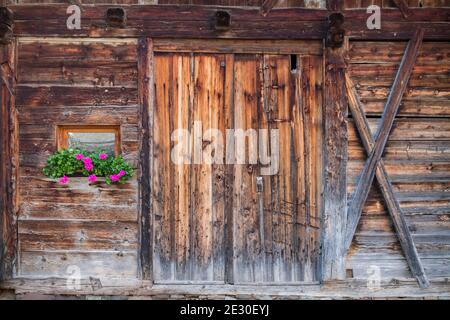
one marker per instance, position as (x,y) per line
(390,111)
(401,227)
(267,6)
(402,5)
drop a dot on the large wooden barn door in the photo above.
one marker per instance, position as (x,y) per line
(215,220)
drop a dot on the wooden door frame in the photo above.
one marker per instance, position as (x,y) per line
(146,49)
(9,158)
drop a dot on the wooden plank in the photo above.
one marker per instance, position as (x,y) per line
(146,101)
(8,158)
(77,235)
(404,150)
(267,199)
(350,289)
(390,53)
(83,74)
(335,159)
(312,72)
(218,121)
(53,211)
(46,50)
(410,129)
(248,258)
(239,46)
(162,268)
(285,247)
(101,264)
(82,96)
(407,170)
(229,177)
(403,233)
(182,117)
(207,202)
(73,115)
(391,108)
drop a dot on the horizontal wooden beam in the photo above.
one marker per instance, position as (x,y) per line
(354,288)
(175,21)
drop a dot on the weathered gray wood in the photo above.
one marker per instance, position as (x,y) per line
(392,105)
(403,233)
(335,179)
(145,68)
(351,289)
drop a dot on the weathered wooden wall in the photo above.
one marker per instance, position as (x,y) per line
(88,81)
(95,227)
(417,158)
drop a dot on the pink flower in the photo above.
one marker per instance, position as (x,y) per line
(92,178)
(63,180)
(79,156)
(121,173)
(87,160)
(88,166)
(114,178)
(102,156)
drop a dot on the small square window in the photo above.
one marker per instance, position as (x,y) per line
(90,138)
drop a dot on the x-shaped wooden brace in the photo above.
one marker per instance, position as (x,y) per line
(374,164)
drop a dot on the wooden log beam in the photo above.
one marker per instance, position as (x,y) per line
(402,5)
(401,227)
(173,21)
(267,6)
(145,67)
(8,161)
(335,163)
(390,111)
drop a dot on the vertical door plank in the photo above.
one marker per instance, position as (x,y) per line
(229,168)
(265,123)
(208,208)
(219,118)
(247,243)
(311,75)
(285,210)
(182,143)
(163,263)
(299,152)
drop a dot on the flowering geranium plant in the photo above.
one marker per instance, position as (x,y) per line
(70,162)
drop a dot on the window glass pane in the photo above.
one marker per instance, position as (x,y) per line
(92,141)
